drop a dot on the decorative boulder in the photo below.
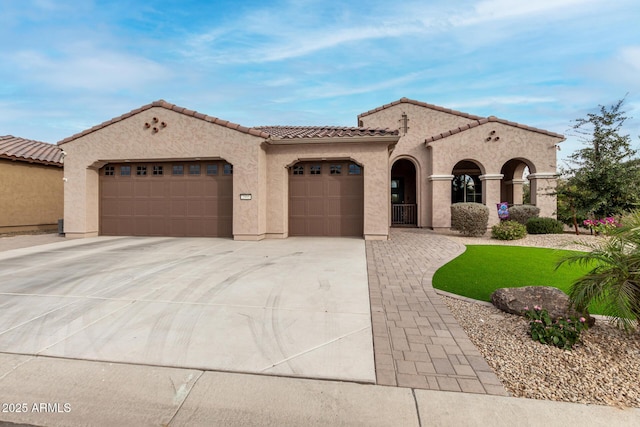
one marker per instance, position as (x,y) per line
(556,302)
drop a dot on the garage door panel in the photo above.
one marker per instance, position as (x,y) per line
(141,188)
(178,188)
(195,208)
(125,190)
(178,227)
(141,208)
(167,204)
(324,204)
(159,188)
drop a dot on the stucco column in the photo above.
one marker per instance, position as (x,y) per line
(514,187)
(543,189)
(440,201)
(491,195)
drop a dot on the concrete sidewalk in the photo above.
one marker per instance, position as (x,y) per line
(63,392)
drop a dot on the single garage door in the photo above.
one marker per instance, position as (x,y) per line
(326,199)
(167,199)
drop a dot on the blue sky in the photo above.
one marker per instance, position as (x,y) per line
(68,65)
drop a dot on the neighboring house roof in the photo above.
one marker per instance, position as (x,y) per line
(420,104)
(28,150)
(297,132)
(164,104)
(494,119)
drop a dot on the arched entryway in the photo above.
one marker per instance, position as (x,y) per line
(514,181)
(404,207)
(466,185)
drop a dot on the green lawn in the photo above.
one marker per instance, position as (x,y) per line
(481,269)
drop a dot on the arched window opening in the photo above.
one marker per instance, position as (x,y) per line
(466,188)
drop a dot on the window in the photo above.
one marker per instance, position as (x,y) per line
(298,170)
(228,169)
(466,188)
(194,169)
(354,169)
(335,169)
(212,169)
(315,170)
(141,170)
(125,170)
(178,170)
(109,170)
(157,170)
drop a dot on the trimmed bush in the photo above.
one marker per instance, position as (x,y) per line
(508,230)
(522,213)
(544,226)
(470,219)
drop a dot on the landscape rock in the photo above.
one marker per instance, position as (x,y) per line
(556,302)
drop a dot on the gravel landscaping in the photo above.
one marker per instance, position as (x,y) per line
(602,370)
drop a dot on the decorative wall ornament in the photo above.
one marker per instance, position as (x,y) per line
(154,126)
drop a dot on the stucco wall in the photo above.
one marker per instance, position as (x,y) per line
(185,138)
(31,196)
(373,156)
(435,164)
(422,123)
(537,150)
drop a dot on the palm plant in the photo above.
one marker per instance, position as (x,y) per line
(614,280)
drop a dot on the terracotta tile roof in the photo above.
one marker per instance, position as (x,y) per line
(421,104)
(297,132)
(164,104)
(478,120)
(489,119)
(28,150)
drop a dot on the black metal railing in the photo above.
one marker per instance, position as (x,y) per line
(403,214)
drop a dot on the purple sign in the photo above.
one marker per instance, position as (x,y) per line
(503,210)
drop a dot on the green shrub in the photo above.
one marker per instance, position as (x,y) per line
(562,333)
(544,226)
(470,219)
(508,230)
(614,278)
(522,213)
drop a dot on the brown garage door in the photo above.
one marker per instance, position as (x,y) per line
(326,199)
(166,199)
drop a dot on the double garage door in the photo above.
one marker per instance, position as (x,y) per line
(326,199)
(167,199)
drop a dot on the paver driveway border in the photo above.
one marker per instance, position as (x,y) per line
(417,341)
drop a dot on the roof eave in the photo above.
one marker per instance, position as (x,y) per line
(28,160)
(392,139)
(171,107)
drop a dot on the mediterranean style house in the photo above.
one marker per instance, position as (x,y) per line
(163,170)
(31,188)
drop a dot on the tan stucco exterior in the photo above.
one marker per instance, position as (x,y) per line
(30,196)
(259,169)
(437,139)
(432,138)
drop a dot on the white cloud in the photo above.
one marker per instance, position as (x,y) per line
(88,68)
(495,10)
(489,101)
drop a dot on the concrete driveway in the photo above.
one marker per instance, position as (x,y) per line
(294,307)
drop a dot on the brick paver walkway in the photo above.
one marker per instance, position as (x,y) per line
(417,341)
